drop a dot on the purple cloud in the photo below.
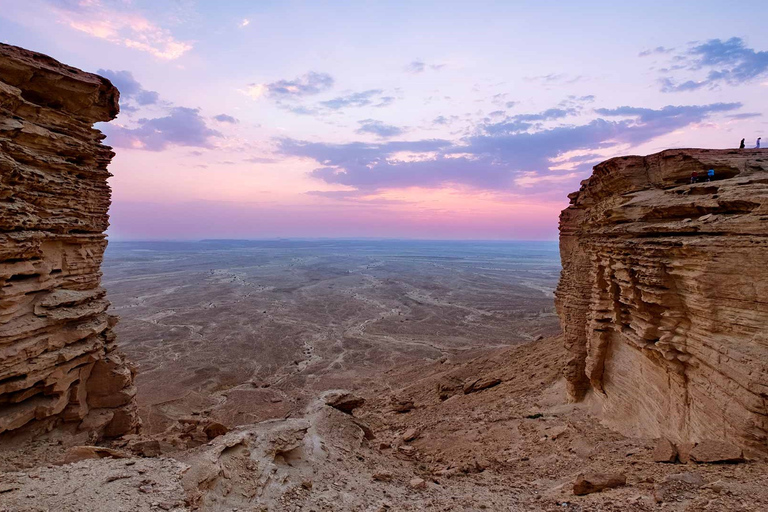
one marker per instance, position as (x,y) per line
(181,127)
(379,129)
(728,62)
(129,87)
(225,118)
(305,85)
(497,154)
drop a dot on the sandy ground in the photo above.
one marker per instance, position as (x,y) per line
(513,446)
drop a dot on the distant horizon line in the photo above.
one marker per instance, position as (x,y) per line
(320,239)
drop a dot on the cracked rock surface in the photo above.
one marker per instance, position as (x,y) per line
(662,297)
(58,358)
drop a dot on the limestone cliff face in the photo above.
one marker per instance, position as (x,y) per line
(663,297)
(58,360)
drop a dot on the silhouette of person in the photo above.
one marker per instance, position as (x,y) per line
(757,146)
(742,145)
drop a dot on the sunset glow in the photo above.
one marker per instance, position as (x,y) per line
(395,119)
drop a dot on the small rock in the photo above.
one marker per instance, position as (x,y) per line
(117,476)
(688,478)
(146,448)
(664,451)
(78,453)
(411,434)
(475,385)
(449,386)
(684,452)
(7,487)
(555,432)
(214,430)
(402,406)
(307,484)
(717,486)
(367,430)
(384,446)
(344,401)
(597,482)
(711,451)
(673,486)
(407,450)
(417,483)
(382,476)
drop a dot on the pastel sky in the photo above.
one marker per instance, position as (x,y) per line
(397,119)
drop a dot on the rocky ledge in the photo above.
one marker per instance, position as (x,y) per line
(663,292)
(58,358)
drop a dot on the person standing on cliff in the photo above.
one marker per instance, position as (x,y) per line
(710,175)
(742,145)
(757,146)
(694,177)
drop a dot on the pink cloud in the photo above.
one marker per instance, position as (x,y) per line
(124,28)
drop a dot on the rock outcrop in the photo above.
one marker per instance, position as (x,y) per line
(58,358)
(663,295)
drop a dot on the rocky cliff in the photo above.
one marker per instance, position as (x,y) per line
(663,297)
(58,359)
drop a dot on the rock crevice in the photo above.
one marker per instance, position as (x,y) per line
(663,292)
(58,358)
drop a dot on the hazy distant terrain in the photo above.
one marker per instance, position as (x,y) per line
(245,330)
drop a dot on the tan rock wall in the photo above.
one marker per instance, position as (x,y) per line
(58,359)
(663,297)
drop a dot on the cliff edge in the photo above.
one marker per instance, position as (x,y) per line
(663,295)
(58,358)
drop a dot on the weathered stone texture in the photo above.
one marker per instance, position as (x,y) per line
(663,297)
(58,359)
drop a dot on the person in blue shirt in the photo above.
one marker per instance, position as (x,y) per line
(710,175)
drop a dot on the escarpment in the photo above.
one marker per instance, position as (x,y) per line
(663,297)
(58,358)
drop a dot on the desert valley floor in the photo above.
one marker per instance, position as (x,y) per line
(247,331)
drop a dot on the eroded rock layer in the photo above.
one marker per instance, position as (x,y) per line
(663,297)
(58,359)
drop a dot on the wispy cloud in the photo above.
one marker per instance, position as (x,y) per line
(659,50)
(120,24)
(728,62)
(419,66)
(554,79)
(359,99)
(379,129)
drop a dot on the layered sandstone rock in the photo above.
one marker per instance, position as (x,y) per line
(664,295)
(58,359)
